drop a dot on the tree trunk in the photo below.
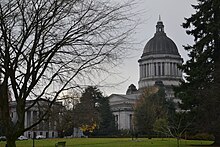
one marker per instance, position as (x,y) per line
(5,115)
(178,141)
(217,139)
(11,143)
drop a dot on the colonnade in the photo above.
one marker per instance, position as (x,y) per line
(159,69)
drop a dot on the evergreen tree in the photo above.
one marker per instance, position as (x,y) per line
(107,124)
(86,112)
(93,113)
(200,93)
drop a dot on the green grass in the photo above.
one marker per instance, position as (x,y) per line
(110,142)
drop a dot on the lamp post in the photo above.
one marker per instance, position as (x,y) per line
(33,137)
(119,119)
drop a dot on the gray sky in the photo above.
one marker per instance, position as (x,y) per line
(172,14)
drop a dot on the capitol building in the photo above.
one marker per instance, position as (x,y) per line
(158,64)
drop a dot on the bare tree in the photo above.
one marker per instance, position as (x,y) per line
(175,127)
(47,46)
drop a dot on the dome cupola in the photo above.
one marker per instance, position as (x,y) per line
(160,43)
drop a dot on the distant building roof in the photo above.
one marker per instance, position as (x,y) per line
(131,89)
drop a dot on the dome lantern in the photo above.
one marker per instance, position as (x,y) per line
(159,26)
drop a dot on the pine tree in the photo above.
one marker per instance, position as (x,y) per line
(93,113)
(200,93)
(86,112)
(107,124)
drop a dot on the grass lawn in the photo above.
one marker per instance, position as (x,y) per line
(109,142)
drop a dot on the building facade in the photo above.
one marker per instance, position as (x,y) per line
(158,64)
(48,127)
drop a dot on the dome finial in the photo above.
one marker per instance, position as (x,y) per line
(159,26)
(159,17)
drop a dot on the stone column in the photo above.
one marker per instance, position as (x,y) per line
(153,69)
(31,118)
(168,68)
(148,70)
(157,68)
(179,71)
(144,71)
(171,68)
(165,68)
(175,69)
(25,119)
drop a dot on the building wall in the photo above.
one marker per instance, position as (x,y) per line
(122,107)
(123,119)
(47,134)
(159,68)
(45,128)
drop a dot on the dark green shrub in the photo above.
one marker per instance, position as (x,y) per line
(203,136)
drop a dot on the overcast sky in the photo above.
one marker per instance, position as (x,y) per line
(172,14)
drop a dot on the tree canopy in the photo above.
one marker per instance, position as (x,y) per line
(47,46)
(150,107)
(200,91)
(93,114)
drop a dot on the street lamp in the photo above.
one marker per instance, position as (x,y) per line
(33,137)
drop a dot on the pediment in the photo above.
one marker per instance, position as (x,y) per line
(117,98)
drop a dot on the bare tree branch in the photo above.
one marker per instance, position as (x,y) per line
(47,46)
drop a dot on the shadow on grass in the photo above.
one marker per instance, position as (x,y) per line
(96,143)
(204,145)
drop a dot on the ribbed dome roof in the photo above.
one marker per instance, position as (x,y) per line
(160,43)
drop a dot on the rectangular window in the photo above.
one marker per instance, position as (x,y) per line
(117,121)
(130,121)
(116,118)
